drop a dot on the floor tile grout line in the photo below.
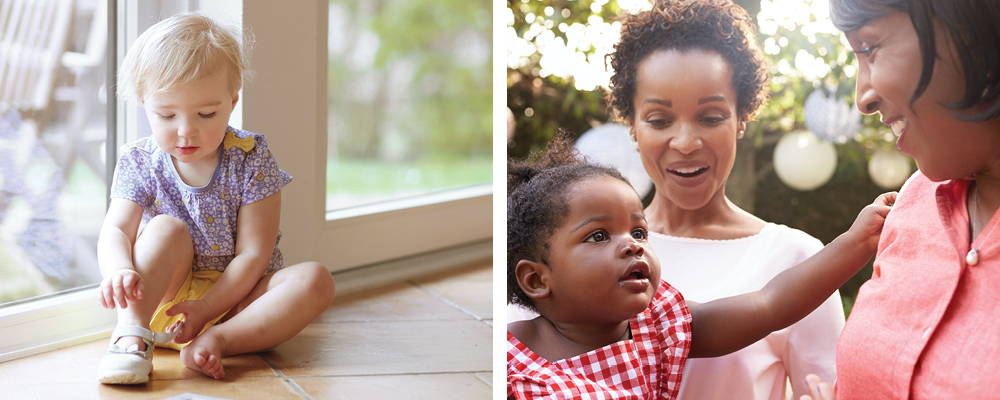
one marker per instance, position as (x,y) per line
(483,380)
(396,374)
(368,321)
(446,301)
(288,380)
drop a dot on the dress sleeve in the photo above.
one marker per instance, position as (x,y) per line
(261,176)
(812,342)
(131,180)
(674,335)
(524,374)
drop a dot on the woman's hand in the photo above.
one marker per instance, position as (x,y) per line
(818,390)
(123,286)
(868,225)
(197,313)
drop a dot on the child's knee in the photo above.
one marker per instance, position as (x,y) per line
(166,227)
(320,280)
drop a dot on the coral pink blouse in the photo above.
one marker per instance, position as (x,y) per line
(927,324)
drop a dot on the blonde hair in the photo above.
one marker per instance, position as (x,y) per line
(181,49)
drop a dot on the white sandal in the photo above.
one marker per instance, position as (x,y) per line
(129,366)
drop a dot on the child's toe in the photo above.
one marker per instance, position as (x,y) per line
(200,360)
(215,366)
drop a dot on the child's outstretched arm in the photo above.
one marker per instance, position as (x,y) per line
(121,283)
(725,325)
(256,233)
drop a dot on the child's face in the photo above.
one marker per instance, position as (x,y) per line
(601,266)
(189,122)
(686,124)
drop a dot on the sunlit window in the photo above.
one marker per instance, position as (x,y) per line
(53,174)
(409,98)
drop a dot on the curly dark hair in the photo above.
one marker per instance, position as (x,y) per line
(713,25)
(537,203)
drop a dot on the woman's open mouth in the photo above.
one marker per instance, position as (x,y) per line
(898,128)
(688,173)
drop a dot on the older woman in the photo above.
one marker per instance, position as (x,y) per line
(688,76)
(925,325)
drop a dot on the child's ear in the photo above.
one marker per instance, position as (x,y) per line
(533,277)
(236,97)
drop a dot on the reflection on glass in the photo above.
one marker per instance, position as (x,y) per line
(410,89)
(52,133)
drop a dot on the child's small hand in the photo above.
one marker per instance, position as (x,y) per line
(818,390)
(868,225)
(124,286)
(197,313)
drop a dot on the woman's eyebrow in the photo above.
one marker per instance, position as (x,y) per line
(667,103)
(708,99)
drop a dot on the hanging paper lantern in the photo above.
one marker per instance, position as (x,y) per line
(889,169)
(611,144)
(803,162)
(830,118)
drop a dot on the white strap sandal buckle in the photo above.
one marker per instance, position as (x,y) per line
(129,366)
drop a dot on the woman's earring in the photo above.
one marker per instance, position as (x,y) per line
(739,134)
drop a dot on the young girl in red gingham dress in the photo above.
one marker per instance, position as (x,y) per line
(608,327)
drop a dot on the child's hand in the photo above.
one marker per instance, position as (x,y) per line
(818,390)
(868,225)
(197,313)
(124,286)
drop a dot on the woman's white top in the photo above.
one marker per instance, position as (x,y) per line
(705,270)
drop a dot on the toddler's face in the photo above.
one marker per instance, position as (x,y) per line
(189,122)
(601,265)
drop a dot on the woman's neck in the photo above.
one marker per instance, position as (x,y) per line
(719,219)
(555,340)
(983,202)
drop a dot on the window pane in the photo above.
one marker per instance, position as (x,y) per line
(410,86)
(53,176)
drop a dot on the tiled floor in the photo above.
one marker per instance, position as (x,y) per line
(428,338)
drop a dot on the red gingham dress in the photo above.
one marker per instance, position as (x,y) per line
(647,367)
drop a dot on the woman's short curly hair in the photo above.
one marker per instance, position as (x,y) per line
(713,25)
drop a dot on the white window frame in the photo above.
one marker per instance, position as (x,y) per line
(287,101)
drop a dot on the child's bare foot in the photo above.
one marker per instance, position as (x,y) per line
(204,354)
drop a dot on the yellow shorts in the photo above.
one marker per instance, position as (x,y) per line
(195,287)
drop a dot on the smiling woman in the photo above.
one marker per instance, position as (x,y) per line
(923,313)
(687,87)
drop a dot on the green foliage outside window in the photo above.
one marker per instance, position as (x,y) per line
(410,96)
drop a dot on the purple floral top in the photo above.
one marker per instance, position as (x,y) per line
(146,175)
